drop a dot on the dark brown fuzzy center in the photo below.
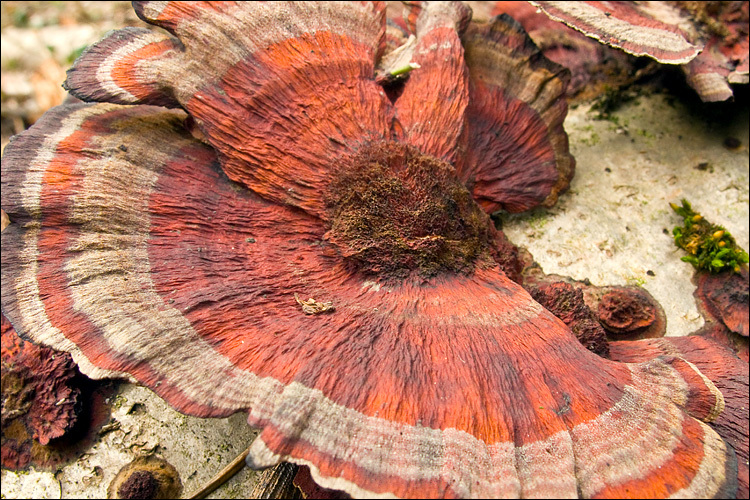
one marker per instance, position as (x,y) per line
(393,209)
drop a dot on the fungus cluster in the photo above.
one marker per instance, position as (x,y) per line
(594,67)
(41,399)
(50,412)
(170,229)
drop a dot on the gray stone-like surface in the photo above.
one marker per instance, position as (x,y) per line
(610,226)
(143,424)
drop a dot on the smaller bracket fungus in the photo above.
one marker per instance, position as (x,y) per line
(631,313)
(638,30)
(708,39)
(150,254)
(596,313)
(41,399)
(726,297)
(594,67)
(51,413)
(723,300)
(566,302)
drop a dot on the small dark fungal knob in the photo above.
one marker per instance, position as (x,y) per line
(567,303)
(146,477)
(732,143)
(140,484)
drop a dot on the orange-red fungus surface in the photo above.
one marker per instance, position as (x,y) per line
(238,262)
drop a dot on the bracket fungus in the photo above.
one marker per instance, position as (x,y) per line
(709,40)
(595,67)
(41,400)
(721,366)
(170,251)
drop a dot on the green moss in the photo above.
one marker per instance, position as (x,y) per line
(538,220)
(21,19)
(645,133)
(592,140)
(13,65)
(635,280)
(610,101)
(119,402)
(709,247)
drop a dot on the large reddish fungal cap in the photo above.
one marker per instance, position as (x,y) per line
(723,368)
(254,97)
(366,327)
(278,88)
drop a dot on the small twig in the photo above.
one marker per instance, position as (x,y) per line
(225,475)
(112,426)
(404,69)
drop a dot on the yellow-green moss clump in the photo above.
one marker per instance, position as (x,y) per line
(709,247)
